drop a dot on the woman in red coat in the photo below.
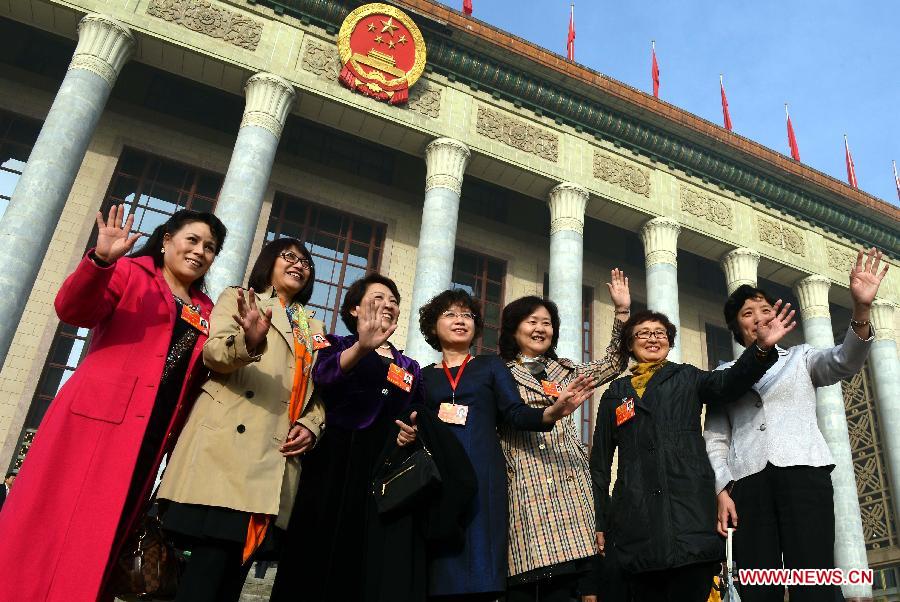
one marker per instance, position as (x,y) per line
(95,457)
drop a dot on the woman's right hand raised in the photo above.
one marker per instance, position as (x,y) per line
(254,323)
(370,326)
(113,240)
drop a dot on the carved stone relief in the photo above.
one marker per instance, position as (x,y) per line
(518,134)
(840,259)
(622,174)
(707,207)
(210,19)
(321,60)
(781,236)
(425,99)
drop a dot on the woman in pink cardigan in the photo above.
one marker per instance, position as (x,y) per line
(84,483)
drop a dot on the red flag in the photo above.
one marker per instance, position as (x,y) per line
(896,179)
(467,7)
(570,41)
(851,169)
(725,112)
(792,139)
(654,71)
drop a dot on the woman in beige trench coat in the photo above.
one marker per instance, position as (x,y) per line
(232,479)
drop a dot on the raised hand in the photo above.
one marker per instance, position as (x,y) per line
(113,240)
(372,329)
(865,278)
(571,398)
(619,292)
(773,330)
(254,323)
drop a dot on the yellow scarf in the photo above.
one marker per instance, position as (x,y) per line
(643,372)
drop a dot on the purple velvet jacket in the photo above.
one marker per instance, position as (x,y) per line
(355,400)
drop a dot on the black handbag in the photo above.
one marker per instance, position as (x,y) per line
(405,478)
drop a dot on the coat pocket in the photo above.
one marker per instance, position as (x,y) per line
(103,398)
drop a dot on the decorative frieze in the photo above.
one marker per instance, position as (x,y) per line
(321,60)
(622,174)
(518,134)
(781,236)
(707,207)
(210,19)
(425,99)
(840,259)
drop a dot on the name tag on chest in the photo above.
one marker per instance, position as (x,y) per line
(625,411)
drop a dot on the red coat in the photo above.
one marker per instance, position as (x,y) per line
(57,529)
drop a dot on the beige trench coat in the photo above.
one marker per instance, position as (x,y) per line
(550,494)
(227,454)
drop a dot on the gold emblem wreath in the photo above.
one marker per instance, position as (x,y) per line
(366,10)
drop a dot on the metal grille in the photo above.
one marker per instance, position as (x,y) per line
(869,465)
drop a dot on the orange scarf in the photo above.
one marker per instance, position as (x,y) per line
(303,349)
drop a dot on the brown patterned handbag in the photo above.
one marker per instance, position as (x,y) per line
(148,567)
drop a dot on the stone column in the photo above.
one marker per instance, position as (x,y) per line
(660,236)
(849,542)
(567,203)
(885,370)
(740,267)
(104,45)
(269,100)
(445,161)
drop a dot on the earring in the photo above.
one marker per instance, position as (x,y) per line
(163,250)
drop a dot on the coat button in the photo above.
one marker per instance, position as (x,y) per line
(762,426)
(549,480)
(542,446)
(657,492)
(759,404)
(385,392)
(249,394)
(570,478)
(241,428)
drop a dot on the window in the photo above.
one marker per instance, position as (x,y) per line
(17,137)
(483,278)
(152,188)
(344,248)
(718,346)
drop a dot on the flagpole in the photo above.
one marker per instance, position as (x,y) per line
(896,179)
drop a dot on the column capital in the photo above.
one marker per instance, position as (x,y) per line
(567,203)
(660,237)
(812,292)
(883,319)
(269,100)
(446,160)
(104,46)
(740,267)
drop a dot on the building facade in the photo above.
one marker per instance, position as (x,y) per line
(509,172)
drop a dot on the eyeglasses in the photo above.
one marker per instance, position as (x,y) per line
(452,315)
(645,335)
(292,258)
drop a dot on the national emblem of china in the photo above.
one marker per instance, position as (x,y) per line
(382,52)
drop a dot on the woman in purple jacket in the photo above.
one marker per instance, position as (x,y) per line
(365,383)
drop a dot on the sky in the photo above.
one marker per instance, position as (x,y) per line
(835,63)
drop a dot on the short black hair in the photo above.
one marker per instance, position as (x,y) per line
(647,315)
(736,302)
(432,311)
(11,473)
(354,296)
(514,314)
(261,275)
(153,245)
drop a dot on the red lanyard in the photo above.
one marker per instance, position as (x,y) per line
(455,381)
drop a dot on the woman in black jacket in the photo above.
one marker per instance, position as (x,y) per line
(662,517)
